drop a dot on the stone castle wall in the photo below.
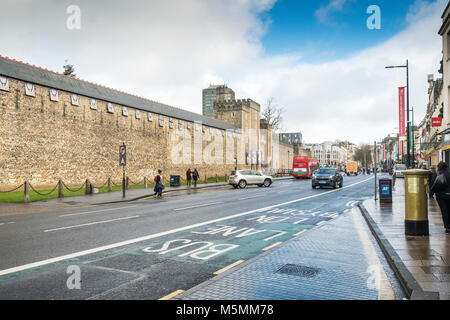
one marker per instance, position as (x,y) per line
(43,141)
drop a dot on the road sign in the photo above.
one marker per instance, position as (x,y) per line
(123,155)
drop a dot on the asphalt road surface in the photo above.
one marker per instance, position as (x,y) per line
(147,249)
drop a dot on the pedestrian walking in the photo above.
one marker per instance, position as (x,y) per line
(441,187)
(159,184)
(431,177)
(195,177)
(188,178)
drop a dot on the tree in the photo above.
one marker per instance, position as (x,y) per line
(273,114)
(364,155)
(69,70)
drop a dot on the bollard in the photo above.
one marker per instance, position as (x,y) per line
(87,187)
(109,185)
(60,189)
(26,192)
(145,182)
(416,202)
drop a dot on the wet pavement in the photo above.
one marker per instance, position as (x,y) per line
(337,260)
(423,262)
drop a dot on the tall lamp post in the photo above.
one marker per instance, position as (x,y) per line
(407,108)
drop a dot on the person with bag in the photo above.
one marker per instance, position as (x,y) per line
(195,176)
(159,186)
(441,187)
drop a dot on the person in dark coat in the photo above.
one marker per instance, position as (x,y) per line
(431,177)
(195,176)
(441,187)
(188,177)
(159,184)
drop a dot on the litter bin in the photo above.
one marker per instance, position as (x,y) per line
(385,189)
(416,202)
(174,180)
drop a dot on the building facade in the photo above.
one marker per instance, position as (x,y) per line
(212,94)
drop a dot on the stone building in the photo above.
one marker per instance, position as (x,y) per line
(58,127)
(444,32)
(215,93)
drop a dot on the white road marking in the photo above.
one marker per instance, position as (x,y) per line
(263,195)
(157,235)
(95,211)
(199,206)
(89,224)
(321,222)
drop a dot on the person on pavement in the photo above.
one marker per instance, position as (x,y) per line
(195,176)
(159,184)
(441,187)
(431,177)
(188,177)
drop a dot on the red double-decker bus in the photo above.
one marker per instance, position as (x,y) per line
(304,167)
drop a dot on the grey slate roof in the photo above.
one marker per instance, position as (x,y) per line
(28,73)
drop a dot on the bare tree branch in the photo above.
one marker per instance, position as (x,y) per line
(273,114)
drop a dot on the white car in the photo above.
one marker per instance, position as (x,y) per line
(242,178)
(398,170)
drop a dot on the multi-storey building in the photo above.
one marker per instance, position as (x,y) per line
(215,93)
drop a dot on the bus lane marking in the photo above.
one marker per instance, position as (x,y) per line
(163,233)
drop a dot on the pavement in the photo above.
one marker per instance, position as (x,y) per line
(155,249)
(337,260)
(421,263)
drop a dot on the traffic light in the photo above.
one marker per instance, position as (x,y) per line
(441,111)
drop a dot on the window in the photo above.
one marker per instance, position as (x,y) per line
(180,124)
(75,100)
(4,84)
(150,116)
(30,90)
(53,95)
(109,108)
(93,104)
(170,123)
(161,121)
(189,126)
(137,113)
(125,111)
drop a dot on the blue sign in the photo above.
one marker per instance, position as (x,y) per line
(385,190)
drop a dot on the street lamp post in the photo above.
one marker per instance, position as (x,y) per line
(407,108)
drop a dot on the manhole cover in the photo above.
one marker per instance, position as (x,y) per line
(299,270)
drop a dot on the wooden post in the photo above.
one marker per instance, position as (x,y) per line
(60,189)
(87,187)
(145,182)
(26,192)
(109,185)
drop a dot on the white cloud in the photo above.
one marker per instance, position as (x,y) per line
(324,12)
(170,50)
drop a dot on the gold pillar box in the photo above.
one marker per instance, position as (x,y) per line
(416,202)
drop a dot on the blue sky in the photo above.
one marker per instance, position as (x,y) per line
(294,27)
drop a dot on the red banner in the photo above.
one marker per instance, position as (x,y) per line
(401,109)
(436,122)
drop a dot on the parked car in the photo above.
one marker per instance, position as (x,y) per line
(242,178)
(398,170)
(327,177)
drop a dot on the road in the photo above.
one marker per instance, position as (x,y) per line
(150,248)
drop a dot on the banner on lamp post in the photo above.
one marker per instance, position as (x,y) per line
(401,111)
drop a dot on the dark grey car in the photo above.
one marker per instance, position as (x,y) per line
(327,177)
